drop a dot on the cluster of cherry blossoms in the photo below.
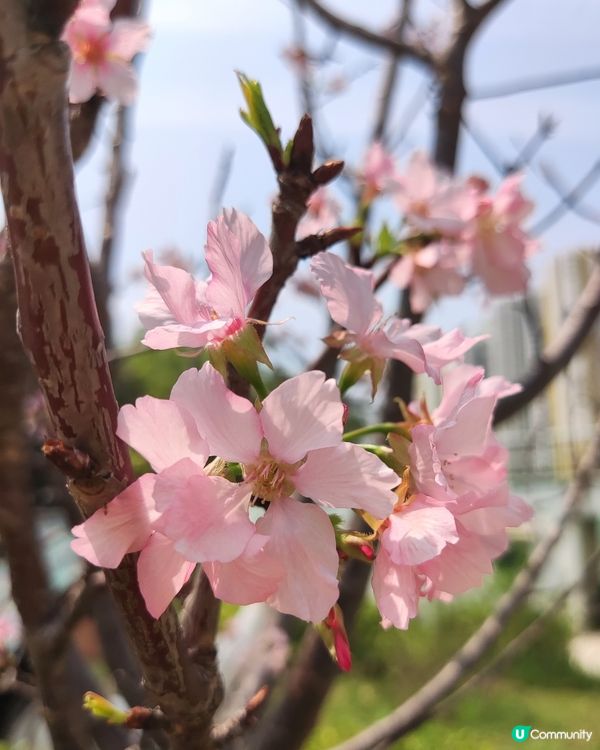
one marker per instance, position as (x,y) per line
(245,487)
(453,230)
(102,51)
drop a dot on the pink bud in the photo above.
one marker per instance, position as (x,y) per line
(341,644)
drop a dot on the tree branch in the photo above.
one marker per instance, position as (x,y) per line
(296,184)
(524,638)
(381,40)
(568,201)
(413,712)
(557,356)
(60,330)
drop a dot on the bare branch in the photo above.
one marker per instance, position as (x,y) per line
(296,184)
(316,243)
(383,40)
(236,725)
(557,356)
(570,200)
(523,639)
(413,712)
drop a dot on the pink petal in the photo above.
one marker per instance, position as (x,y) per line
(240,261)
(152,310)
(418,533)
(302,539)
(425,464)
(469,434)
(448,348)
(128,37)
(230,422)
(118,80)
(393,343)
(396,589)
(348,291)
(348,477)
(122,526)
(462,566)
(177,288)
(83,82)
(459,385)
(174,336)
(252,577)
(302,414)
(161,573)
(403,271)
(493,512)
(162,432)
(205,516)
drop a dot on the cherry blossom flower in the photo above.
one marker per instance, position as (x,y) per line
(377,172)
(430,200)
(442,539)
(293,444)
(166,435)
(494,236)
(180,311)
(322,213)
(431,272)
(371,340)
(416,533)
(102,51)
(435,550)
(458,452)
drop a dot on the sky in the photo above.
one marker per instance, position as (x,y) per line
(187,117)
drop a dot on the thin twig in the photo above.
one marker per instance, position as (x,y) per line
(524,638)
(568,201)
(382,40)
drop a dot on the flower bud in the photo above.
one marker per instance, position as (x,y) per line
(333,633)
(356,545)
(103,709)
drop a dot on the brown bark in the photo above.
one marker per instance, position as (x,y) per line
(61,333)
(295,188)
(29,584)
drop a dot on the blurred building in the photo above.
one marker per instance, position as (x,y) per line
(547,438)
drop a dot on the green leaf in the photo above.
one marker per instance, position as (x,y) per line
(386,243)
(258,117)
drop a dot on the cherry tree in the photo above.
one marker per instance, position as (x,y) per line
(257,490)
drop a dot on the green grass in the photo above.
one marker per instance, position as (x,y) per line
(539,688)
(481,721)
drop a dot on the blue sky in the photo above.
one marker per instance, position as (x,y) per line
(187,114)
